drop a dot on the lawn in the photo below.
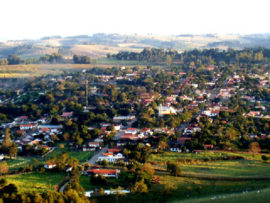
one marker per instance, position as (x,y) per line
(80,155)
(36,181)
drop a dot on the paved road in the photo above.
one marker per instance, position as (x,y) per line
(64,186)
(94,159)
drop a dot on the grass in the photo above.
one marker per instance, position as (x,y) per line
(235,168)
(258,196)
(40,182)
(15,164)
(185,188)
(85,183)
(33,70)
(80,155)
(175,156)
(192,188)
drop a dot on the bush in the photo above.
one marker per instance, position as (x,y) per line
(264,158)
(174,169)
(98,180)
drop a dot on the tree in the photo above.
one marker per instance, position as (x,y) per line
(3,62)
(162,145)
(7,143)
(14,59)
(147,167)
(264,158)
(254,147)
(98,180)
(174,169)
(13,150)
(3,167)
(168,60)
(140,187)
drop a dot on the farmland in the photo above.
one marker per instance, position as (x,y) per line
(35,70)
(36,181)
(80,155)
(257,195)
(210,174)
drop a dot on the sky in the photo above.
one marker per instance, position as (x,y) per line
(32,19)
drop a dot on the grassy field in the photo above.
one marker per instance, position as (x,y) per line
(17,163)
(80,155)
(185,188)
(36,181)
(176,157)
(204,181)
(258,196)
(33,70)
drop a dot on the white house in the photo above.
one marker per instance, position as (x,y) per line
(50,166)
(110,157)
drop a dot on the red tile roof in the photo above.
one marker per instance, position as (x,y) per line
(103,171)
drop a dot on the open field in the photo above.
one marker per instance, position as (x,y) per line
(259,196)
(17,163)
(36,181)
(185,188)
(203,178)
(204,155)
(33,70)
(80,155)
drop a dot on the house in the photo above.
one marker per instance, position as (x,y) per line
(112,173)
(132,131)
(94,144)
(208,146)
(165,110)
(114,150)
(129,136)
(28,126)
(49,166)
(67,114)
(122,118)
(110,157)
(254,113)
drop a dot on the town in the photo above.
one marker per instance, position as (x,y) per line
(127,127)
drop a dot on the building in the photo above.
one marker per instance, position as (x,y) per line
(165,110)
(50,166)
(110,173)
(110,157)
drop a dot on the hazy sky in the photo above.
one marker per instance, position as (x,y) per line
(36,18)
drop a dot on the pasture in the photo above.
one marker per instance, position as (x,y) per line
(36,181)
(212,176)
(80,155)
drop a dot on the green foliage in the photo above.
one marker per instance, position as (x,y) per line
(174,169)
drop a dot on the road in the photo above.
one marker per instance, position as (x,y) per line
(94,159)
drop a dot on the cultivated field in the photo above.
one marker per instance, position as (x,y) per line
(80,155)
(36,181)
(33,70)
(213,176)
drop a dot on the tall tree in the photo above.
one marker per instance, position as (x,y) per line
(7,141)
